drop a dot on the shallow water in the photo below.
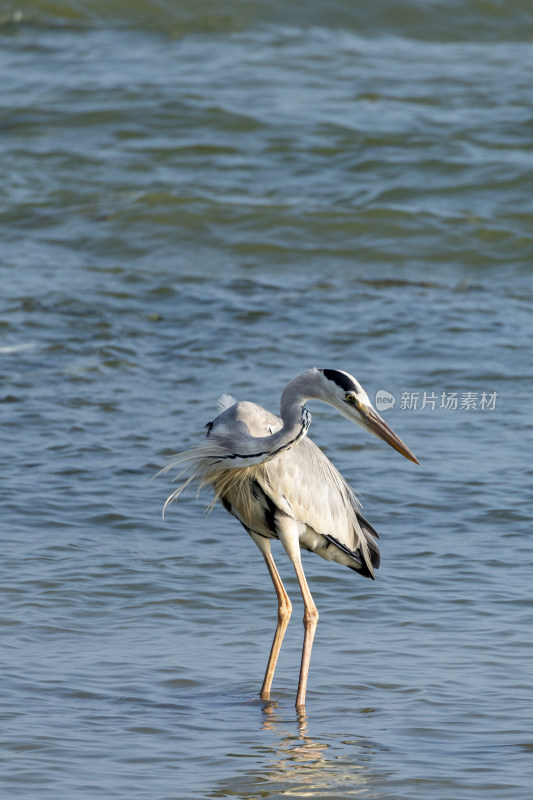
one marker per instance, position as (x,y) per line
(199,200)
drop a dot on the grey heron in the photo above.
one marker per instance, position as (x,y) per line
(280,485)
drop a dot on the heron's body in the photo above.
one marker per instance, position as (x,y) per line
(279,485)
(301,484)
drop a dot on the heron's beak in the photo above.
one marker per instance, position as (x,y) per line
(376,425)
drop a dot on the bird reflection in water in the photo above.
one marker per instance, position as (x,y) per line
(308,767)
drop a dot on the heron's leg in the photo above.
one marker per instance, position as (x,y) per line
(284,613)
(288,534)
(310,623)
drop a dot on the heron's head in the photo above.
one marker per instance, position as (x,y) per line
(341,390)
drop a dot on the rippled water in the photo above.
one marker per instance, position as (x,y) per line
(209,198)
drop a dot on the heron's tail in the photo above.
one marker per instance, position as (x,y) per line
(369,550)
(365,558)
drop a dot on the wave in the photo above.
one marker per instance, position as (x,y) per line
(433,20)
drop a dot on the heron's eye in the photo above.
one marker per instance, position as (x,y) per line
(350,398)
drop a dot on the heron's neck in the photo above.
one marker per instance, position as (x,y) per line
(296,421)
(295,395)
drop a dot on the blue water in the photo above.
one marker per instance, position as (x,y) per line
(199,200)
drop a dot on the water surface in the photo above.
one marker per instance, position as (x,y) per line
(204,199)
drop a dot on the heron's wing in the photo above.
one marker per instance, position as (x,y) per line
(304,480)
(304,484)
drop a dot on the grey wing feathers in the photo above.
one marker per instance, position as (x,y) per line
(305,485)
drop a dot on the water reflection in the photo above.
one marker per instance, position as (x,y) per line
(311,765)
(296,763)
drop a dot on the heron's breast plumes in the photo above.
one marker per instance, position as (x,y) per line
(205,467)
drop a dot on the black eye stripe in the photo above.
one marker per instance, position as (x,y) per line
(340,379)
